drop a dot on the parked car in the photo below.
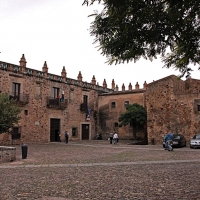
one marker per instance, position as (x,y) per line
(195,141)
(178,140)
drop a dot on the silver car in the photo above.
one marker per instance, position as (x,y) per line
(195,141)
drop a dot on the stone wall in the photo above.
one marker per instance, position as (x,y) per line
(7,154)
(112,113)
(170,107)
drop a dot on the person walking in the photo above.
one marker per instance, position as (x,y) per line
(111,137)
(59,136)
(115,137)
(168,140)
(66,137)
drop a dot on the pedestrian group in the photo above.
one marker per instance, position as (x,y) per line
(113,137)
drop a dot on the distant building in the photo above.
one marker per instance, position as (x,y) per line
(53,104)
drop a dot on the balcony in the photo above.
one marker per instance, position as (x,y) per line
(21,99)
(83,107)
(57,103)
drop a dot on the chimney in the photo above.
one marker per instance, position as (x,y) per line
(104,84)
(116,88)
(130,87)
(145,85)
(45,68)
(93,80)
(79,76)
(22,61)
(137,86)
(64,74)
(113,84)
(123,87)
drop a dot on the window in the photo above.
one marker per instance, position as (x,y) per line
(71,96)
(113,105)
(116,124)
(56,93)
(16,133)
(38,90)
(26,112)
(126,103)
(74,131)
(16,90)
(84,105)
(85,101)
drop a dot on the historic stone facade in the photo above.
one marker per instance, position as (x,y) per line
(173,105)
(53,104)
(112,105)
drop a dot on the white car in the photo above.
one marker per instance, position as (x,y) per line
(195,141)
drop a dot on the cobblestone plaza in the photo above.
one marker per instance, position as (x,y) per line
(99,170)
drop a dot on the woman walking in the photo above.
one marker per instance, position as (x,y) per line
(115,137)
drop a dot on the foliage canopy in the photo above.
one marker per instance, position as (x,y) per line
(9,113)
(135,114)
(127,30)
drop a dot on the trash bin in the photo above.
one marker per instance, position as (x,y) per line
(24,151)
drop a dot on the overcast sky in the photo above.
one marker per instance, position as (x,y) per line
(56,31)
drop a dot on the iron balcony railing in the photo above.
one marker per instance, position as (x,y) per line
(23,98)
(83,107)
(57,103)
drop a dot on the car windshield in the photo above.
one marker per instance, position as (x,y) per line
(197,137)
(177,137)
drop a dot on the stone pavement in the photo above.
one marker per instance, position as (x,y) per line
(100,171)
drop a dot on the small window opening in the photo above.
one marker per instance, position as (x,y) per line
(126,103)
(116,124)
(26,112)
(16,133)
(74,132)
(113,104)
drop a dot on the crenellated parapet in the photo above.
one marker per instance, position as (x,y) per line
(22,70)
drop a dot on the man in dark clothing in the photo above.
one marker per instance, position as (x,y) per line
(111,137)
(66,137)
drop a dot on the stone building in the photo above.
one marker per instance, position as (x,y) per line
(112,105)
(53,104)
(173,105)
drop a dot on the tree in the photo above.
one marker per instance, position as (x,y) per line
(9,113)
(127,30)
(134,114)
(103,117)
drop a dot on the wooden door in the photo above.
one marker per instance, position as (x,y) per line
(85,131)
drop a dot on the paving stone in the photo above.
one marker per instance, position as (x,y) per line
(81,171)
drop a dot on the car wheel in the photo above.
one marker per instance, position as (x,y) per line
(163,146)
(191,147)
